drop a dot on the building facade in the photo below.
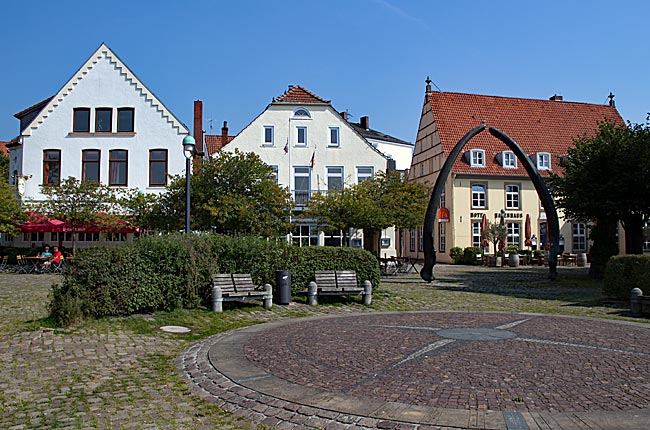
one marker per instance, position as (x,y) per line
(103,125)
(488,179)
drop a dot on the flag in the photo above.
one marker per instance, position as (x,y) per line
(286,147)
(313,160)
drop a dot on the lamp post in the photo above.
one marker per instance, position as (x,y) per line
(188,151)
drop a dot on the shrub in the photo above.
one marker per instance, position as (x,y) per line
(456,253)
(174,271)
(512,249)
(469,255)
(625,272)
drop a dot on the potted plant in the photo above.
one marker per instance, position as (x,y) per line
(538,254)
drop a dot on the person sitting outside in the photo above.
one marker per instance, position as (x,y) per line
(55,258)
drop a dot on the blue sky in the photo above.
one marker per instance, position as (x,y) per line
(369,57)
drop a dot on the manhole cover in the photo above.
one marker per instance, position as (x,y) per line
(475,334)
(176,329)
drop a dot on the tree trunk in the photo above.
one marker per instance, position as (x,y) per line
(605,246)
(633,225)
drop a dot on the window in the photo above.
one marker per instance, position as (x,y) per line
(34,237)
(88,237)
(301,113)
(421,239)
(51,166)
(412,240)
(301,183)
(334,238)
(56,237)
(334,178)
(477,158)
(90,165)
(115,237)
(125,120)
(512,196)
(579,238)
(443,199)
(334,136)
(421,169)
(364,173)
(301,136)
(478,196)
(81,120)
(442,237)
(304,235)
(543,161)
(476,233)
(513,233)
(268,135)
(117,167)
(103,120)
(274,174)
(157,167)
(509,161)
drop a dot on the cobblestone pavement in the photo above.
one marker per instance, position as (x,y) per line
(110,375)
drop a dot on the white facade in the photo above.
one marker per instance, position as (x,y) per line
(400,152)
(103,82)
(313,149)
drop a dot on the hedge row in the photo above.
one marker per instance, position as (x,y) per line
(174,271)
(625,272)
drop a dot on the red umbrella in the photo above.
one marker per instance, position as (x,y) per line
(527,234)
(484,228)
(502,244)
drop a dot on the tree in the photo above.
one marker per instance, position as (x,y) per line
(233,193)
(138,208)
(496,232)
(606,180)
(4,167)
(78,203)
(10,210)
(372,205)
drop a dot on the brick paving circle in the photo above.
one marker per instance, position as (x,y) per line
(419,367)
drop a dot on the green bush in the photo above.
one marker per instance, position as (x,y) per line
(512,249)
(469,255)
(456,253)
(174,271)
(625,272)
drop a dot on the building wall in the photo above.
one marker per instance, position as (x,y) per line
(401,153)
(103,86)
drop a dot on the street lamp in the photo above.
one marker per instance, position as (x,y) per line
(189,145)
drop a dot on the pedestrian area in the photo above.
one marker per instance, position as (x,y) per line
(481,370)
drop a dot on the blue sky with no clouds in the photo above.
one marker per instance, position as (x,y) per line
(369,57)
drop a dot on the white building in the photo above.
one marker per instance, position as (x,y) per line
(104,125)
(396,150)
(313,149)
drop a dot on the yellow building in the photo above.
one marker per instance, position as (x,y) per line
(487,178)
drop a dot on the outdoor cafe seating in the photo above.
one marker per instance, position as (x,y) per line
(397,265)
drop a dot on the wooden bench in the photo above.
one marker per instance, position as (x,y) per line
(639,304)
(337,283)
(235,287)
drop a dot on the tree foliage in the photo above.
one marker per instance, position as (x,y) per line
(233,193)
(10,210)
(4,167)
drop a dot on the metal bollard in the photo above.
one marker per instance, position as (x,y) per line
(217,300)
(635,305)
(367,292)
(268,298)
(312,298)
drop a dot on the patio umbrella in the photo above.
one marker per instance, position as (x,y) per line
(484,228)
(502,244)
(527,234)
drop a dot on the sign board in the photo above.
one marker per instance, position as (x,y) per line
(443,215)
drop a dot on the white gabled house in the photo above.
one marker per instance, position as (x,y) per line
(313,149)
(104,125)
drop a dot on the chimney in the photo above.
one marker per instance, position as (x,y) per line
(365,122)
(224,133)
(555,98)
(198,128)
(344,115)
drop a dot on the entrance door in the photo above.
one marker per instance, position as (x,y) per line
(543,236)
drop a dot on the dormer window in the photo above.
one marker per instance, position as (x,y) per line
(301,113)
(543,161)
(508,160)
(477,158)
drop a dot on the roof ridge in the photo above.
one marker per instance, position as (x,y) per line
(518,98)
(292,91)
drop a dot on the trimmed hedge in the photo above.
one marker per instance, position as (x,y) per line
(625,272)
(174,271)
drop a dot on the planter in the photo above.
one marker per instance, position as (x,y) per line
(497,261)
(581,259)
(513,260)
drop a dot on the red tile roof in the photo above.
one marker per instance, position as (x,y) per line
(299,95)
(536,125)
(40,104)
(3,148)
(215,142)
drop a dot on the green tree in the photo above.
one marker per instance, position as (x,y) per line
(78,203)
(372,205)
(137,208)
(232,193)
(606,180)
(10,211)
(4,167)
(496,232)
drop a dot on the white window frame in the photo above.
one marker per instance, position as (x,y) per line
(512,196)
(476,233)
(543,161)
(508,160)
(477,200)
(335,172)
(298,129)
(295,113)
(264,130)
(338,137)
(513,235)
(275,174)
(579,237)
(477,158)
(365,176)
(442,237)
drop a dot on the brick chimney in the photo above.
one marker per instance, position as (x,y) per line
(198,129)
(365,122)
(224,134)
(555,98)
(344,115)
